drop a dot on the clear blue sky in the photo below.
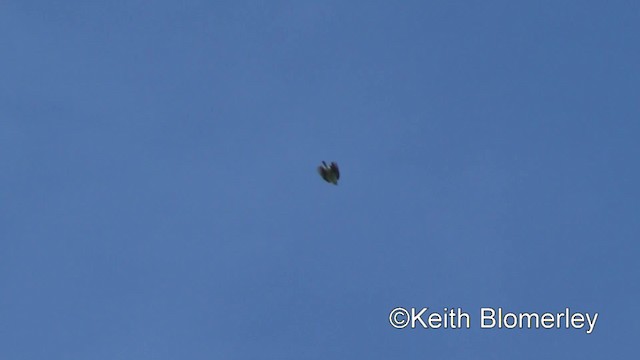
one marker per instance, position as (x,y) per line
(159,197)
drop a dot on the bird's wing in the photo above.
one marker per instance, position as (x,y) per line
(323,172)
(336,170)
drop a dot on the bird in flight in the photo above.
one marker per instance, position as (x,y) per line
(330,173)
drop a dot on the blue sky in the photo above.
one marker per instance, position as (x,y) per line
(159,196)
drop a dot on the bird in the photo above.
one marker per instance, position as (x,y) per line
(330,173)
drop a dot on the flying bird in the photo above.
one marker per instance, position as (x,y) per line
(330,173)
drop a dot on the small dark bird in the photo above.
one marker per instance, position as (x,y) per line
(330,173)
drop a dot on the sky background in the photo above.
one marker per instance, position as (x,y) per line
(159,197)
